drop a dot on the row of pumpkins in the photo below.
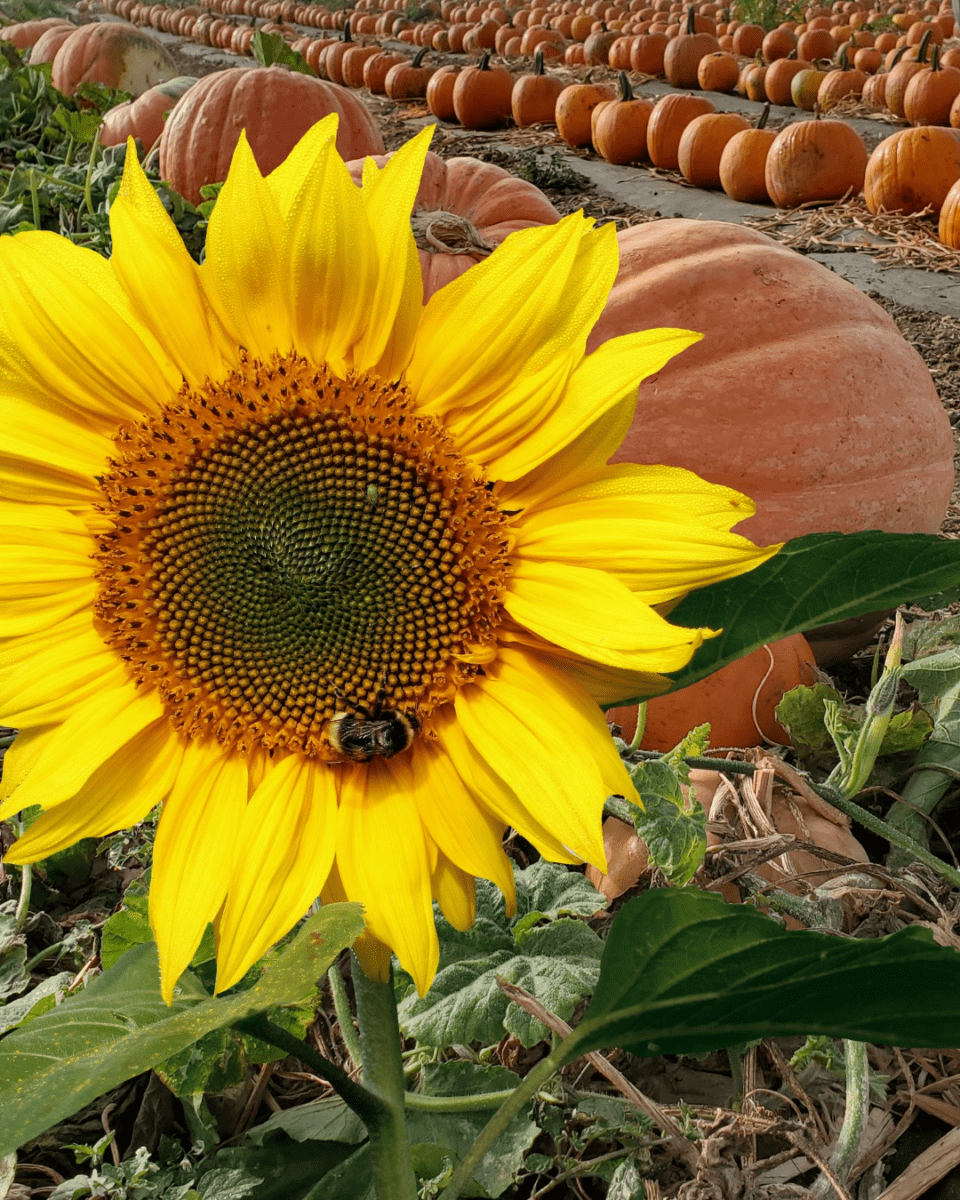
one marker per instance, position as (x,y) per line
(807,161)
(870,447)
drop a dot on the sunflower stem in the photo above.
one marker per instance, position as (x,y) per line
(368,1107)
(393,1177)
(854,1119)
(23,903)
(341,1006)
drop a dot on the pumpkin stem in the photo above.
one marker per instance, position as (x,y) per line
(843,61)
(901,51)
(935,58)
(626,91)
(484,64)
(691,19)
(538,63)
(419,56)
(762,119)
(347,36)
(924,42)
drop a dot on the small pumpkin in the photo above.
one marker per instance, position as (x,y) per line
(533,100)
(899,77)
(780,76)
(837,85)
(618,129)
(804,87)
(647,51)
(439,93)
(574,110)
(333,57)
(815,160)
(671,115)
(911,169)
(143,118)
(702,143)
(275,106)
(114,53)
(948,228)
(744,160)
(930,93)
(683,54)
(378,66)
(481,96)
(718,72)
(408,80)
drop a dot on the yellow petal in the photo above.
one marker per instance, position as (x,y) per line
(495,794)
(67,331)
(44,677)
(154,268)
(545,758)
(285,848)
(48,457)
(383,862)
(607,686)
(286,181)
(241,270)
(659,548)
(117,795)
(496,347)
(578,462)
(464,832)
(396,305)
(96,730)
(46,572)
(456,893)
(330,262)
(193,854)
(595,615)
(600,382)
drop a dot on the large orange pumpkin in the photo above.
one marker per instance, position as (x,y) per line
(465,208)
(113,53)
(143,118)
(45,48)
(802,393)
(28,33)
(738,700)
(275,106)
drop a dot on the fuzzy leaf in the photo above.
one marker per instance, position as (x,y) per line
(673,826)
(118,1026)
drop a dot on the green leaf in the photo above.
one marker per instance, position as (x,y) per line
(813,581)
(455,1132)
(130,926)
(673,826)
(685,973)
(326,1120)
(288,1170)
(802,712)
(556,961)
(270,48)
(36,1002)
(118,1026)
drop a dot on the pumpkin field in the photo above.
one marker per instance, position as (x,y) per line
(394,599)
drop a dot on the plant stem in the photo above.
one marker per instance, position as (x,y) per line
(393,1177)
(478,1103)
(23,903)
(341,1006)
(87,187)
(641,726)
(520,1096)
(858,1097)
(34,199)
(368,1107)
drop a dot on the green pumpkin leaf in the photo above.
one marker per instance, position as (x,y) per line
(673,826)
(118,1026)
(685,973)
(270,48)
(814,580)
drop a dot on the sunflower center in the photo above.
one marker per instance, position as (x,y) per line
(286,546)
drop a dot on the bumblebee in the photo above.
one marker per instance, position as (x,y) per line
(361,737)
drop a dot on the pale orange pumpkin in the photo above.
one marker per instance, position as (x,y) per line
(463,209)
(866,446)
(113,53)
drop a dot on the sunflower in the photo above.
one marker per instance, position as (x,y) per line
(337,578)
